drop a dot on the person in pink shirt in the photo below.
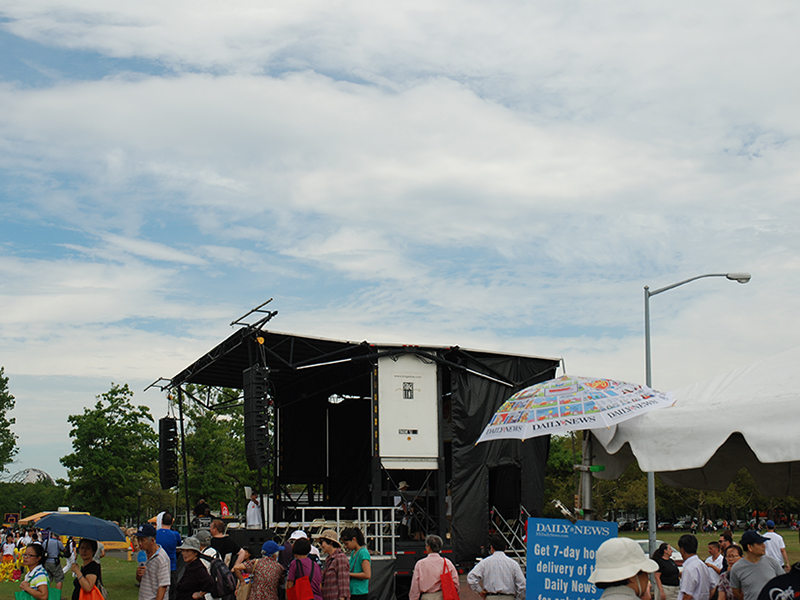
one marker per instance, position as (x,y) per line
(426,583)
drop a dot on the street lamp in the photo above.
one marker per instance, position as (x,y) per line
(651,480)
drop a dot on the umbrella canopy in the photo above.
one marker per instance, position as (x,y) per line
(744,418)
(84,526)
(570,403)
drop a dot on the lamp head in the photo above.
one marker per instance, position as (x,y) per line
(740,277)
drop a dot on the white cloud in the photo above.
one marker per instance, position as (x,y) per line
(499,176)
(151,250)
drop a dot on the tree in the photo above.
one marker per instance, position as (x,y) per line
(115,453)
(560,481)
(217,468)
(8,440)
(31,498)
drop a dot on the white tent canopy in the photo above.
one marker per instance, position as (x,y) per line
(749,417)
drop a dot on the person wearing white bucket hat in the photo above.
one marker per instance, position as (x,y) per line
(622,570)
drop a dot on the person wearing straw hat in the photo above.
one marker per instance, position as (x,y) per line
(196,581)
(622,570)
(336,576)
(404,507)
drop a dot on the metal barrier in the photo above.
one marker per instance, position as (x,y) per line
(376,522)
(513,532)
(379,525)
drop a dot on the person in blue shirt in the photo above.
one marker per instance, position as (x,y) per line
(169,540)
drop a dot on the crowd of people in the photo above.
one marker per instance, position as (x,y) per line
(34,559)
(756,569)
(294,570)
(210,565)
(272,571)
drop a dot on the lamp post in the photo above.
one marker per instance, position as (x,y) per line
(651,480)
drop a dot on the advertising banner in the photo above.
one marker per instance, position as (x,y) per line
(561,558)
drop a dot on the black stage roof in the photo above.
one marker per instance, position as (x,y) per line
(290,356)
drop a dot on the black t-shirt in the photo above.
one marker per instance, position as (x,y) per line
(669,571)
(93,568)
(782,586)
(225,545)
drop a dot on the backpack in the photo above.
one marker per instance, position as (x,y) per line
(47,547)
(226,581)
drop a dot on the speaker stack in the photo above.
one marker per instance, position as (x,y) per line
(168,452)
(256,417)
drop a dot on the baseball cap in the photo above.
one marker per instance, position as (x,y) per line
(770,523)
(269,548)
(752,537)
(297,534)
(146,530)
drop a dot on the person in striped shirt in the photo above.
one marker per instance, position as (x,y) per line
(154,575)
(497,577)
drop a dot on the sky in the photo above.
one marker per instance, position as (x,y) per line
(495,175)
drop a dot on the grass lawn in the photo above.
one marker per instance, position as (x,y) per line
(789,537)
(119,577)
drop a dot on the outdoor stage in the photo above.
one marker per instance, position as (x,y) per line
(350,420)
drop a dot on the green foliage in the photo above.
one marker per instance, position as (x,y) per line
(560,478)
(627,495)
(34,497)
(217,468)
(114,455)
(8,440)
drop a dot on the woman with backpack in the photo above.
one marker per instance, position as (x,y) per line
(195,582)
(304,566)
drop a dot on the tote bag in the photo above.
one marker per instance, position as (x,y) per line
(301,590)
(94,594)
(54,594)
(449,590)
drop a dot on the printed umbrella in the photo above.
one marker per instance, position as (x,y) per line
(570,403)
(84,526)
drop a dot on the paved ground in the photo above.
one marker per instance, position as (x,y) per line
(465,592)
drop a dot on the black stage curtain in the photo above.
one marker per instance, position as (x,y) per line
(475,400)
(304,427)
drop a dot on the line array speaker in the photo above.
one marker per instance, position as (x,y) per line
(256,417)
(168,452)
